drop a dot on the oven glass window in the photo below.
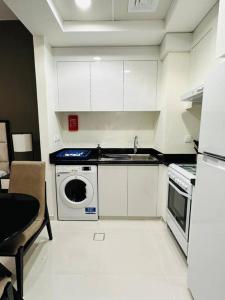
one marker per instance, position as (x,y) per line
(75,190)
(177,205)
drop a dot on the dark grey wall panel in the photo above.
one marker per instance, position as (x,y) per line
(18,98)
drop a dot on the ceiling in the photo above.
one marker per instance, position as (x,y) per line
(107,22)
(5,12)
(108,10)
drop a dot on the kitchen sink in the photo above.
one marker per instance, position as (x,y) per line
(147,157)
(117,156)
(128,157)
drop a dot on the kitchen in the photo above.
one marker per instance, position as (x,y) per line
(138,107)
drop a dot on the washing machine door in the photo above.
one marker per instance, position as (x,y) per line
(76,191)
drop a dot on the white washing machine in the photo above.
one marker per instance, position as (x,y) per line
(77,195)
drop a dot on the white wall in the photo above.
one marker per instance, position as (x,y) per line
(203,51)
(180,72)
(55,137)
(110,129)
(44,67)
(175,123)
(106,53)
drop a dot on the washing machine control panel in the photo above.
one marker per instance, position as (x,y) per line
(74,169)
(86,168)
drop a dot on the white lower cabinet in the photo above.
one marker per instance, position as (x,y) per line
(142,191)
(112,191)
(162,192)
(128,191)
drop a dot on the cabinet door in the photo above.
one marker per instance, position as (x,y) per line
(142,191)
(140,85)
(107,86)
(221,30)
(162,192)
(112,188)
(73,86)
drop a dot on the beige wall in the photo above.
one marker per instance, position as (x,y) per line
(47,120)
(175,123)
(203,50)
(179,73)
(110,129)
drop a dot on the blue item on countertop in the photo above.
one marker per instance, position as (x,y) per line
(74,154)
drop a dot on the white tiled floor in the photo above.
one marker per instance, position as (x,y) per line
(138,260)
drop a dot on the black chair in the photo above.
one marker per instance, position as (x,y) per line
(27,178)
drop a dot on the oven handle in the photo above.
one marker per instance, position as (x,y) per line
(179,191)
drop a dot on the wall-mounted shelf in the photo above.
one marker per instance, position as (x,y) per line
(194,96)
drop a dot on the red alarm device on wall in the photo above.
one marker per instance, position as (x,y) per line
(73,123)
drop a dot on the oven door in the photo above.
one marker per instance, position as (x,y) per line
(179,206)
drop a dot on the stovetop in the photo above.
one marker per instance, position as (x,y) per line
(191,168)
(183,171)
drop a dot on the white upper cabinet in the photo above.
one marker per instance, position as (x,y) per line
(221,30)
(74,86)
(140,85)
(107,86)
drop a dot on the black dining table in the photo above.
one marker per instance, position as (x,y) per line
(17,213)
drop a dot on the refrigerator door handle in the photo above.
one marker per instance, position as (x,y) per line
(214,156)
(214,161)
(179,191)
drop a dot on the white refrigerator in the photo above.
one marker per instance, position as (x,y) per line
(206,257)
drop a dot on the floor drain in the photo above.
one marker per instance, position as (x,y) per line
(99,237)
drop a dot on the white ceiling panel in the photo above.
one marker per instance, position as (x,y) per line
(185,15)
(57,25)
(100,10)
(107,10)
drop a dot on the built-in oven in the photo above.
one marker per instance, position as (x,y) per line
(179,207)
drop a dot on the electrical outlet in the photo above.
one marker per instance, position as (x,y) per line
(188,139)
(56,138)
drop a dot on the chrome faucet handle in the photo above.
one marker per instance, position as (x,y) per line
(136,140)
(135,144)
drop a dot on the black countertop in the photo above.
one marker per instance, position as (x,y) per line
(97,153)
(168,159)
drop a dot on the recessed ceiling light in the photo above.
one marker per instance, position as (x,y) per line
(97,58)
(83,4)
(142,6)
(126,71)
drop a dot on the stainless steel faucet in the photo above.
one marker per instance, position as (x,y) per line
(135,144)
